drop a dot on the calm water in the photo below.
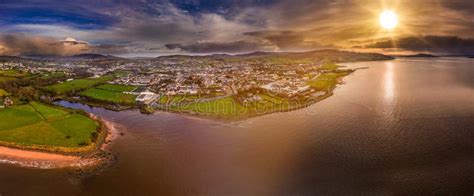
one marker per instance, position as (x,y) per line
(399,127)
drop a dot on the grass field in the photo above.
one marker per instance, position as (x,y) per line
(225,107)
(12,73)
(173,99)
(51,75)
(6,79)
(77,85)
(228,107)
(36,124)
(330,67)
(3,93)
(109,96)
(117,87)
(326,81)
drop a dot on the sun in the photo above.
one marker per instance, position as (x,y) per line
(388,19)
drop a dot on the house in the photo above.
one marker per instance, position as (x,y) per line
(7,102)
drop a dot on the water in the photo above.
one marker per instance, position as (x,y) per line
(400,127)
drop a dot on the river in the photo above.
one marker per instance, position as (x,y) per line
(399,127)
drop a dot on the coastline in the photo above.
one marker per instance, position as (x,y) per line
(239,119)
(236,120)
(96,154)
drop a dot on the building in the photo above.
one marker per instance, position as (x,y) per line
(7,102)
(146,98)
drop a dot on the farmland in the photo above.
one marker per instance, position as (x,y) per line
(114,96)
(117,87)
(44,127)
(12,73)
(77,85)
(228,107)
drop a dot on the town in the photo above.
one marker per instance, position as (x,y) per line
(228,86)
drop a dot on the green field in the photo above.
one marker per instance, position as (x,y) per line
(37,125)
(12,73)
(224,107)
(109,96)
(6,79)
(3,93)
(330,67)
(173,99)
(326,81)
(52,75)
(77,85)
(117,87)
(229,108)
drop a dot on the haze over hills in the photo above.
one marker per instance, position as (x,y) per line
(291,57)
(85,56)
(265,57)
(423,55)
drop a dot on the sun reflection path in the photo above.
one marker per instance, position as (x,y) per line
(388,102)
(389,85)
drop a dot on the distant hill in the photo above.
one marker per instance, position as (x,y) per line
(78,57)
(91,56)
(10,58)
(289,57)
(259,53)
(421,55)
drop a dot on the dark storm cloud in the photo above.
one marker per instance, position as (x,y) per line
(437,44)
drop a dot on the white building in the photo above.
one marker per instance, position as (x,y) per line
(146,97)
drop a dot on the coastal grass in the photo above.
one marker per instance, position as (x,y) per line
(329,66)
(37,125)
(48,112)
(77,85)
(109,96)
(326,81)
(18,116)
(224,107)
(174,99)
(228,107)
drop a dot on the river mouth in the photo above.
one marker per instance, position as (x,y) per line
(398,127)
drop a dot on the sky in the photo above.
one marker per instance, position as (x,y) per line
(134,28)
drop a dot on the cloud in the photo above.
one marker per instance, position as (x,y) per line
(287,40)
(146,26)
(22,45)
(436,44)
(218,47)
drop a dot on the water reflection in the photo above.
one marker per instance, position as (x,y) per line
(389,85)
(388,103)
(353,143)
